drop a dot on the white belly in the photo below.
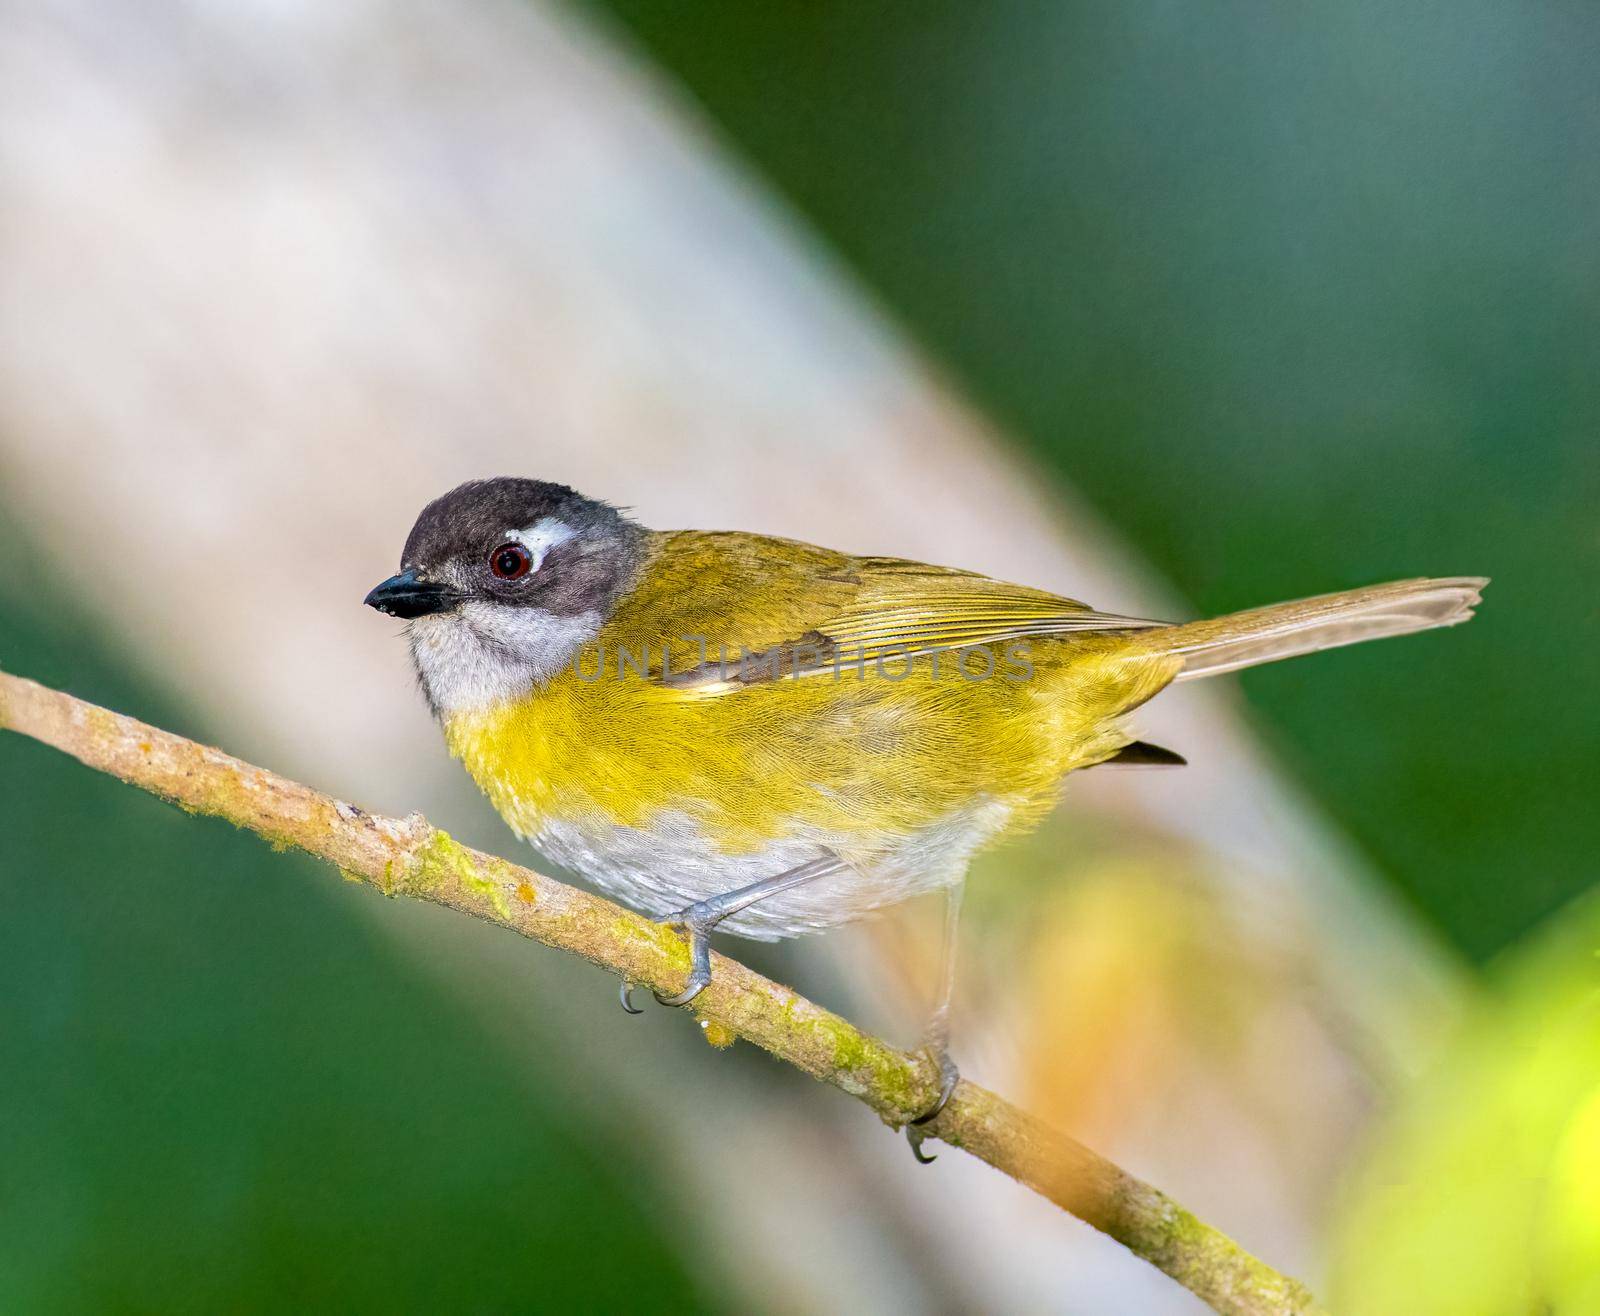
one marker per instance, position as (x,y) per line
(670,864)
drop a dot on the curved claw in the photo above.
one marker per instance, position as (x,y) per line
(627,998)
(952,1076)
(914,1133)
(697,984)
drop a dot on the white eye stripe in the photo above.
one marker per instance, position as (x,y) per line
(540,537)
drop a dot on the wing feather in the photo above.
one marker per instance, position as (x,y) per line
(842,611)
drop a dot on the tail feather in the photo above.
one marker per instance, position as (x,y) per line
(1286,630)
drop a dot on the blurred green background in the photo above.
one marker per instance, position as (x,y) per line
(1301,299)
(230,1094)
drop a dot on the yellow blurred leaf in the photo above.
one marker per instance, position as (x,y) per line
(1482,1195)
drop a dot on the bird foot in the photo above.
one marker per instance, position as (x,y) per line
(696,923)
(949,1076)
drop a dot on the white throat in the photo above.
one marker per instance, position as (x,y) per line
(484,655)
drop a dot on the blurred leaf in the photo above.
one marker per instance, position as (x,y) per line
(1482,1198)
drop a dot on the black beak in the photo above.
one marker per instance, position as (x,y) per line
(407,596)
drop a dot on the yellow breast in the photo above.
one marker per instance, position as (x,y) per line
(863,761)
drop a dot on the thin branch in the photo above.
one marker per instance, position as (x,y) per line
(408,857)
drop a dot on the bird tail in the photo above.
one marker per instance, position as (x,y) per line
(1286,630)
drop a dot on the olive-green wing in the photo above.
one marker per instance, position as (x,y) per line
(776,609)
(908,606)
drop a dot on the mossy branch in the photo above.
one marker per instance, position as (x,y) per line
(408,857)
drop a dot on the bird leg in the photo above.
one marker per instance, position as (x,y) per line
(698,920)
(936,1039)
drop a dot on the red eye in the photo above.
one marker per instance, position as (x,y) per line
(510,561)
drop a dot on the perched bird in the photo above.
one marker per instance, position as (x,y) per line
(737,731)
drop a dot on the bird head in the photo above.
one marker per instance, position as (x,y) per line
(502,581)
